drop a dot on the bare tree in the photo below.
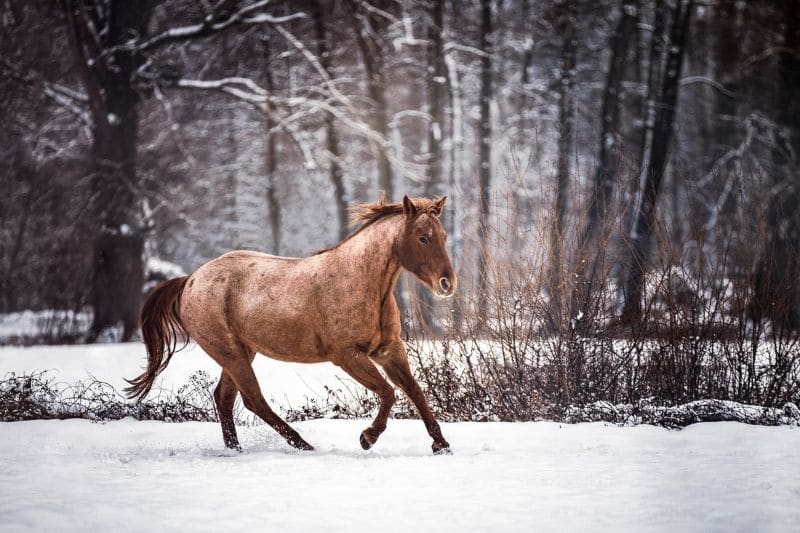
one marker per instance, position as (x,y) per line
(777,288)
(270,155)
(331,135)
(566,128)
(438,89)
(658,149)
(609,162)
(110,42)
(107,70)
(484,150)
(370,23)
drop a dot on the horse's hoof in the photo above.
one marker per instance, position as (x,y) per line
(439,449)
(366,440)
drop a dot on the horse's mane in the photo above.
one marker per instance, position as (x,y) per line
(369,213)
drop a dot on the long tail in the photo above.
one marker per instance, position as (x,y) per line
(161,330)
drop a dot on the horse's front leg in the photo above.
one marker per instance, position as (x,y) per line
(394,361)
(363,370)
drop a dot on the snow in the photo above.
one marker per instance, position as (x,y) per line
(23,325)
(130,475)
(76,475)
(285,385)
(165,269)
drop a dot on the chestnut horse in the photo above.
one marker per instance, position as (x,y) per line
(337,306)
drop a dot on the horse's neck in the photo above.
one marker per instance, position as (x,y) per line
(371,257)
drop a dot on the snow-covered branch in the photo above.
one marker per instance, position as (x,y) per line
(248,15)
(464,48)
(691,80)
(75,105)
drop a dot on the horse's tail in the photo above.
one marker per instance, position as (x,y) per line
(161,330)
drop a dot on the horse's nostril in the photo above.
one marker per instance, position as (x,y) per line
(444,283)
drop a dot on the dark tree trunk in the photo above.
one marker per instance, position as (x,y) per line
(609,164)
(726,59)
(724,133)
(438,86)
(118,244)
(654,73)
(484,154)
(777,295)
(270,159)
(525,77)
(370,27)
(610,151)
(566,126)
(658,148)
(331,137)
(232,149)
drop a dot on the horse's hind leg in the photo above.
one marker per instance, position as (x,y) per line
(225,398)
(363,370)
(241,372)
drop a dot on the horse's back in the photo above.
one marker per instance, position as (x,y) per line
(256,298)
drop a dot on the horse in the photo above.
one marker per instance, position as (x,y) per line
(337,305)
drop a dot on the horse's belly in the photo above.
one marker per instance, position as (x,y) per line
(290,344)
(296,358)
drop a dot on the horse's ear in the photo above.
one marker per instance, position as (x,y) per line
(438,205)
(409,208)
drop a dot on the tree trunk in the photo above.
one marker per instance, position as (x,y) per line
(777,295)
(331,137)
(438,86)
(653,172)
(609,164)
(525,77)
(566,126)
(270,159)
(484,155)
(369,28)
(722,135)
(437,90)
(118,244)
(654,73)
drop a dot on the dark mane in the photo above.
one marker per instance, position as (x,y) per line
(370,213)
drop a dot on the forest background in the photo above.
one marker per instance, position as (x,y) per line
(622,175)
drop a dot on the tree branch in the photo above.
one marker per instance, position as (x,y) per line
(245,16)
(690,80)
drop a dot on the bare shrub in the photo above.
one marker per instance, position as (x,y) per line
(534,352)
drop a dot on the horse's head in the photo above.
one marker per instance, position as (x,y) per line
(421,246)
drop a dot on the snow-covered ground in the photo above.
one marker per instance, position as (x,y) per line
(75,475)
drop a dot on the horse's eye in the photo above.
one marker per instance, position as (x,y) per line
(424,240)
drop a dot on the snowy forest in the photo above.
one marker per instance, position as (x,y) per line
(622,176)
